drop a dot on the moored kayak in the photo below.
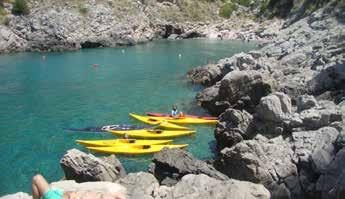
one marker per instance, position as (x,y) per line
(161,124)
(135,149)
(117,142)
(186,116)
(153,120)
(152,133)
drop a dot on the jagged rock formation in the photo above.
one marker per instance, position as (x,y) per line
(83,167)
(170,165)
(202,187)
(290,137)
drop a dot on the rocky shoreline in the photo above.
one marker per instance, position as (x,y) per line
(281,130)
(282,109)
(61,26)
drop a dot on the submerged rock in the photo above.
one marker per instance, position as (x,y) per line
(83,167)
(170,165)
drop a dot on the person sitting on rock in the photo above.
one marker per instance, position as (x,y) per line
(41,189)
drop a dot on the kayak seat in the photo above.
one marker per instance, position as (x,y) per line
(146,146)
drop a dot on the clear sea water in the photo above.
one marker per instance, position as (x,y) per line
(39,97)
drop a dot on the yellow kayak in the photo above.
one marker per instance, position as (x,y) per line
(184,120)
(152,134)
(117,142)
(161,123)
(135,149)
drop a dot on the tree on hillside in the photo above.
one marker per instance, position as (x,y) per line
(20,7)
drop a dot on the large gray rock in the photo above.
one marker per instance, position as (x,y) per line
(261,160)
(313,151)
(244,89)
(10,42)
(315,146)
(170,165)
(19,195)
(203,187)
(325,114)
(83,167)
(233,126)
(274,107)
(238,89)
(331,183)
(304,102)
(140,185)
(104,187)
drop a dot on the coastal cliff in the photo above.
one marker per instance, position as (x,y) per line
(281,108)
(71,25)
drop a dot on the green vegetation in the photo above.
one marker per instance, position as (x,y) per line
(264,6)
(83,9)
(20,7)
(227,9)
(245,3)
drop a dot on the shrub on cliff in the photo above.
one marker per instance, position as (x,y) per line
(227,9)
(20,7)
(83,9)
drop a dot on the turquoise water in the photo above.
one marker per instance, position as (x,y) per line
(40,97)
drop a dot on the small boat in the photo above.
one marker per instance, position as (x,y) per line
(185,116)
(152,133)
(157,120)
(135,149)
(118,142)
(161,124)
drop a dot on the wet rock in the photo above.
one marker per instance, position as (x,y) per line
(170,165)
(83,167)
(233,126)
(202,186)
(140,185)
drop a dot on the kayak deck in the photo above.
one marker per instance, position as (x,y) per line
(118,142)
(152,134)
(135,149)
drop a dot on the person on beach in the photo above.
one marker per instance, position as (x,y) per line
(41,189)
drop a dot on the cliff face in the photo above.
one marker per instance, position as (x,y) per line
(67,25)
(281,108)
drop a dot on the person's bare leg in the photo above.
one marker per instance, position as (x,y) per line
(39,186)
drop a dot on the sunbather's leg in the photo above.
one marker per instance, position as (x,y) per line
(39,186)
